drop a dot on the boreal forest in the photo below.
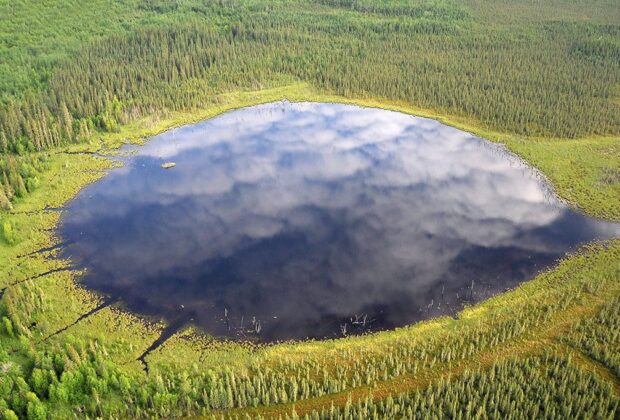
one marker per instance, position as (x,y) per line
(80,79)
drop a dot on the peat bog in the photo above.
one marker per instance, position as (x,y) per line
(294,220)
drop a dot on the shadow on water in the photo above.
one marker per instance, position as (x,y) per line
(292,221)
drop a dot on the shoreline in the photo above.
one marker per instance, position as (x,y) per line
(127,335)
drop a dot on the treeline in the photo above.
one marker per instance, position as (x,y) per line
(438,9)
(534,388)
(19,176)
(510,87)
(93,387)
(542,84)
(555,79)
(599,337)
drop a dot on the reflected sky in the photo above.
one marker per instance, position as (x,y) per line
(286,221)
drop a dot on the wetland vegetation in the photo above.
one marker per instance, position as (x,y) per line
(289,221)
(79,80)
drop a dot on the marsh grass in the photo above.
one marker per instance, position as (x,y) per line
(190,372)
(551,342)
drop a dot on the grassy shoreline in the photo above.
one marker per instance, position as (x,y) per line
(578,169)
(50,302)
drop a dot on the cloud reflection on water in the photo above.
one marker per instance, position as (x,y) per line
(313,213)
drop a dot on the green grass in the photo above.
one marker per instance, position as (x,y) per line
(411,358)
(559,330)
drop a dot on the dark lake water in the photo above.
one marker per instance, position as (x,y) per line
(286,221)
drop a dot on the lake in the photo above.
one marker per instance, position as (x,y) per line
(296,220)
